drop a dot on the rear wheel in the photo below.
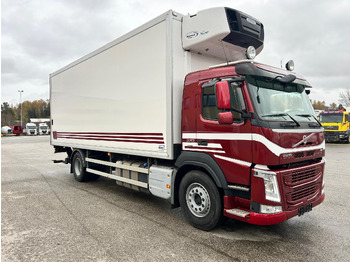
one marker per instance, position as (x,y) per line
(79,170)
(200,200)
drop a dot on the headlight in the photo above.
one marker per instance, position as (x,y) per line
(271,186)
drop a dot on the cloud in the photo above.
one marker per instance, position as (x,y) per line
(40,37)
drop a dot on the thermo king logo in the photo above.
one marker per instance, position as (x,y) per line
(192,35)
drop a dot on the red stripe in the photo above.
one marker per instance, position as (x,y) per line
(114,137)
(104,133)
(119,137)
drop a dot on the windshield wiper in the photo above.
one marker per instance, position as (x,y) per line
(284,114)
(308,115)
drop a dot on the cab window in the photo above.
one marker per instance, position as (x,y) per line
(210,110)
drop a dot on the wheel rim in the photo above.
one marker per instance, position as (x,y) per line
(198,200)
(77,166)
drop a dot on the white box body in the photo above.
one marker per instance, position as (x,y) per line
(126,97)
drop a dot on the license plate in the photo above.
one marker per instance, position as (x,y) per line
(304,209)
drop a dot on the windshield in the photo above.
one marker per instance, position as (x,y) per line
(43,127)
(31,127)
(331,118)
(275,101)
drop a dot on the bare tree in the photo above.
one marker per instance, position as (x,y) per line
(344,97)
(333,107)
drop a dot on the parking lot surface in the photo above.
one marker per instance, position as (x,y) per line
(48,216)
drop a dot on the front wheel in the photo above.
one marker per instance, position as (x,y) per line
(200,200)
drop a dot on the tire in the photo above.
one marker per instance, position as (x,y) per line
(78,168)
(200,201)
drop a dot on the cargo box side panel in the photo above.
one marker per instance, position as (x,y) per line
(116,101)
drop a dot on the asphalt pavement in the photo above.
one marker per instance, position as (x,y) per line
(48,216)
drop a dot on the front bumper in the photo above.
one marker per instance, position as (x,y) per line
(271,219)
(335,136)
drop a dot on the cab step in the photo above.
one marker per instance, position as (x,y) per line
(238,212)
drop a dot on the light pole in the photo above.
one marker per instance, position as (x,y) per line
(20,102)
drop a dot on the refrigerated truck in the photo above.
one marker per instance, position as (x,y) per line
(179,109)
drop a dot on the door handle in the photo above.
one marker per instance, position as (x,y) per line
(202,142)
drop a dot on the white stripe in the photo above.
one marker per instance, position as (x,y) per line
(274,148)
(236,161)
(218,136)
(262,167)
(277,150)
(205,150)
(210,145)
(210,148)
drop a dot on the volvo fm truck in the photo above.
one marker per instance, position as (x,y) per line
(178,108)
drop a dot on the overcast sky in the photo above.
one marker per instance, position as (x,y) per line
(41,36)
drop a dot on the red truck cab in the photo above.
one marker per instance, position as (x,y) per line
(254,127)
(17,130)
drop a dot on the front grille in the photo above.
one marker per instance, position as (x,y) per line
(302,185)
(330,127)
(301,175)
(310,153)
(299,155)
(301,193)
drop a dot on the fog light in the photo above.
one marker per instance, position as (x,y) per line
(265,209)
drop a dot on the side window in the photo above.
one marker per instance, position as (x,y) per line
(209,104)
(209,108)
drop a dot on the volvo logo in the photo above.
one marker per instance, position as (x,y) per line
(304,140)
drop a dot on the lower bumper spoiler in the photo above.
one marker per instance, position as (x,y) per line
(269,219)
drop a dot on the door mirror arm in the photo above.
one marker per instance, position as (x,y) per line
(244,113)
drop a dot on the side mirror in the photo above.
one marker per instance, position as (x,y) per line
(225,118)
(223,95)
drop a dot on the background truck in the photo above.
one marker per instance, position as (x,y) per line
(336,125)
(43,129)
(178,108)
(31,129)
(17,130)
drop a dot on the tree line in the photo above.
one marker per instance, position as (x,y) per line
(321,105)
(11,115)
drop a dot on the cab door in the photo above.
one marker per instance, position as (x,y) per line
(229,144)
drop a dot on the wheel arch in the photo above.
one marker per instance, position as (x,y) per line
(188,161)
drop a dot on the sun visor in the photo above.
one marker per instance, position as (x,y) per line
(222,33)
